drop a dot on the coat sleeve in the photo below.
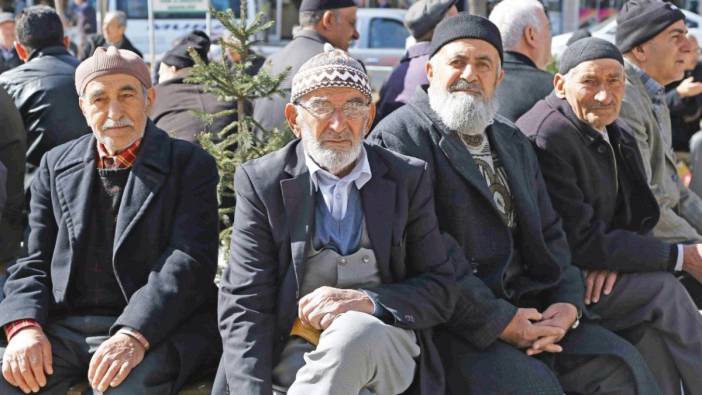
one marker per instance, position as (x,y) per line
(479,316)
(247,295)
(593,243)
(28,286)
(429,278)
(181,280)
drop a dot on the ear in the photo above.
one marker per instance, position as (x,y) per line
(371,117)
(66,41)
(500,76)
(21,51)
(559,85)
(291,117)
(530,36)
(639,53)
(429,70)
(150,98)
(328,19)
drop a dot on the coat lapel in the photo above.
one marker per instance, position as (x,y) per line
(298,201)
(147,175)
(378,199)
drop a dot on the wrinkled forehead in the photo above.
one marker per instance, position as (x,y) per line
(599,68)
(111,84)
(334,95)
(471,48)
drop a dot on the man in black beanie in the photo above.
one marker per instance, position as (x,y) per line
(177,102)
(321,21)
(516,329)
(595,177)
(651,35)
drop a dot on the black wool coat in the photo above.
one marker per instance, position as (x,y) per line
(601,193)
(524,84)
(466,210)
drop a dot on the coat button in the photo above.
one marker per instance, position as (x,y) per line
(601,149)
(341,261)
(365,259)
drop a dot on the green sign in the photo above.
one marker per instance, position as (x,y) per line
(186,6)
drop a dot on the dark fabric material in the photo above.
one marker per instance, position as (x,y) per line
(578,35)
(176,106)
(640,20)
(43,91)
(606,229)
(269,112)
(261,285)
(465,25)
(165,249)
(466,210)
(85,19)
(13,145)
(405,78)
(94,290)
(11,62)
(590,48)
(422,16)
(95,41)
(3,187)
(524,84)
(179,56)
(685,112)
(594,361)
(319,5)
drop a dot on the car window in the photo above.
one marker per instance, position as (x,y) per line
(691,24)
(387,33)
(137,9)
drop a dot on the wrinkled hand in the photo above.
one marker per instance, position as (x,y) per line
(692,260)
(522,331)
(598,282)
(559,315)
(113,361)
(688,87)
(26,359)
(319,308)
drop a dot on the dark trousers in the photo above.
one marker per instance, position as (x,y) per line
(593,361)
(75,339)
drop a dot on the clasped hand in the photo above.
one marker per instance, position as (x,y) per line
(319,308)
(540,332)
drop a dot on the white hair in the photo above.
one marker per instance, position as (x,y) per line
(513,16)
(119,16)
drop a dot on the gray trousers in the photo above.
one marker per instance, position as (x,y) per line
(73,341)
(358,354)
(654,312)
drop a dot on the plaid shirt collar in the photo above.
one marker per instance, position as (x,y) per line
(655,90)
(121,160)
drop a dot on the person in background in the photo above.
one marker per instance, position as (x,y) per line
(177,102)
(578,35)
(8,54)
(84,18)
(114,27)
(526,34)
(321,21)
(420,20)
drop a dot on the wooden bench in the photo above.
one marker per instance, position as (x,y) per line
(202,387)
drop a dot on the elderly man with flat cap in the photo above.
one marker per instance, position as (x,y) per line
(321,21)
(651,35)
(337,269)
(117,287)
(421,19)
(595,177)
(516,328)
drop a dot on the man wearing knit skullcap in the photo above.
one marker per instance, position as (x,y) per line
(521,298)
(651,35)
(596,180)
(337,267)
(117,287)
(321,21)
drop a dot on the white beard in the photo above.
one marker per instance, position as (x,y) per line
(334,161)
(462,111)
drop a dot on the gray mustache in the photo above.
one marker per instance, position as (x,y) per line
(111,124)
(462,84)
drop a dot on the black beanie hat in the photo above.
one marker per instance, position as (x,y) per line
(589,48)
(319,5)
(179,57)
(640,20)
(465,25)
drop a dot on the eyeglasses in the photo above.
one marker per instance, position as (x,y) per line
(323,110)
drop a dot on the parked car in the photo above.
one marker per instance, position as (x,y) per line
(607,29)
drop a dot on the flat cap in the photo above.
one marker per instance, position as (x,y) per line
(6,17)
(423,16)
(320,5)
(641,20)
(585,49)
(179,57)
(332,68)
(111,61)
(465,25)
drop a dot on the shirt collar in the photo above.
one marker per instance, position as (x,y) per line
(653,88)
(121,160)
(360,174)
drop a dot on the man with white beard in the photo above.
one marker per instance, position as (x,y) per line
(517,325)
(337,267)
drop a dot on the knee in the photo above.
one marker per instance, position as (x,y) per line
(355,335)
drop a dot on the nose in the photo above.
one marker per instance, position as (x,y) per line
(355,35)
(114,110)
(337,120)
(602,96)
(468,73)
